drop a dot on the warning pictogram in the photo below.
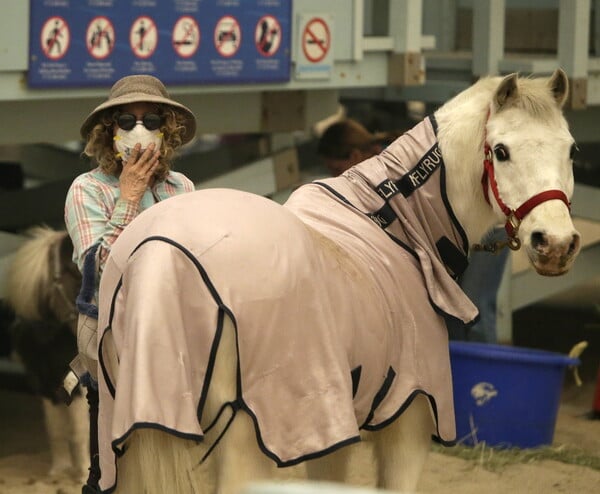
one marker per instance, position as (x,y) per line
(55,38)
(267,35)
(186,36)
(143,37)
(100,37)
(316,40)
(228,36)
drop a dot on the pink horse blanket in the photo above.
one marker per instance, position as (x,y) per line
(338,300)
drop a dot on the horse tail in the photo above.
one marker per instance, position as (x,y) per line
(29,275)
(158,462)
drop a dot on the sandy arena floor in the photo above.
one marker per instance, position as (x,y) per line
(24,457)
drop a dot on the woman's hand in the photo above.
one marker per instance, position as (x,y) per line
(138,172)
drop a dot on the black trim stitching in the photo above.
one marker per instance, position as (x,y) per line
(436,437)
(107,380)
(355,375)
(450,211)
(381,394)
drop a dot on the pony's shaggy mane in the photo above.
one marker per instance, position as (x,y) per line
(24,292)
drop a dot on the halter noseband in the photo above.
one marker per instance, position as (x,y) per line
(513,216)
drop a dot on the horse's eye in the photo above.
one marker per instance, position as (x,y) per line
(501,152)
(573,152)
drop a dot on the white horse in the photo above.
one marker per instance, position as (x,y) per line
(252,335)
(42,283)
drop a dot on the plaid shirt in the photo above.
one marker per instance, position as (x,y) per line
(95,213)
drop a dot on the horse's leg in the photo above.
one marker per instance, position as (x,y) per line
(401,448)
(79,436)
(57,426)
(238,459)
(332,467)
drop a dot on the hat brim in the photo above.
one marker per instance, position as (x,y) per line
(189,119)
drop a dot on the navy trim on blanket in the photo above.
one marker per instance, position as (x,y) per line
(111,314)
(380,395)
(234,406)
(211,361)
(151,425)
(446,316)
(436,437)
(300,459)
(355,375)
(433,123)
(453,218)
(107,380)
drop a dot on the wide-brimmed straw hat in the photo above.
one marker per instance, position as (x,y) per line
(140,88)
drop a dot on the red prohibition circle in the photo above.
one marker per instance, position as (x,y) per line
(187,46)
(266,46)
(140,49)
(49,43)
(309,37)
(233,37)
(105,35)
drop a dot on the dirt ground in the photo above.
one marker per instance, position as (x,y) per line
(24,457)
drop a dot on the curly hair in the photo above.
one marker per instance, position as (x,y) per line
(100,141)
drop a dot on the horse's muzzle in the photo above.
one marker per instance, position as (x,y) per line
(551,255)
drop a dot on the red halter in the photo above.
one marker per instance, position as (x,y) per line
(513,216)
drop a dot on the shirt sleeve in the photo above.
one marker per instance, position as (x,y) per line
(188,185)
(90,220)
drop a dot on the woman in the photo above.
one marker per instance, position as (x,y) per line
(132,137)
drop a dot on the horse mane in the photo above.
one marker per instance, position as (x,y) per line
(29,276)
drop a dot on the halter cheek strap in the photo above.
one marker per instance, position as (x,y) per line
(513,216)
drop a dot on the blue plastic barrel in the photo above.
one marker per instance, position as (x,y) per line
(506,396)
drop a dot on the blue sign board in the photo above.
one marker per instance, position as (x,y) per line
(77,43)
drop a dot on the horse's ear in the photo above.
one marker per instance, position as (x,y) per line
(559,85)
(507,92)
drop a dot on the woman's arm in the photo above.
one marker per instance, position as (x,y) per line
(94,216)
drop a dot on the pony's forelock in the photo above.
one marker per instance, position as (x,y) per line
(535,98)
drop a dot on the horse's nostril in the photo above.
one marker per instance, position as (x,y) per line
(574,245)
(538,240)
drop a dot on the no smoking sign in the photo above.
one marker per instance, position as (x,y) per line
(314,56)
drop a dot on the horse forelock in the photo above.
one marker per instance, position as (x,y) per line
(29,278)
(536,99)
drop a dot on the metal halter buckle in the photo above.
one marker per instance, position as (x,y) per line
(514,243)
(515,222)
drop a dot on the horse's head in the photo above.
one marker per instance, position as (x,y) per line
(66,281)
(43,281)
(529,169)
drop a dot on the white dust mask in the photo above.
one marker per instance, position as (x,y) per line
(125,140)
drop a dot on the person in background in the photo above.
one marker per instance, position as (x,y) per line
(347,142)
(132,138)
